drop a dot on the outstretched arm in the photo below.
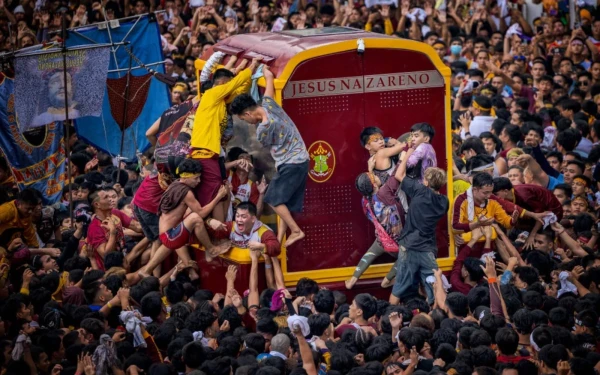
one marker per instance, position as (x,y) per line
(401,171)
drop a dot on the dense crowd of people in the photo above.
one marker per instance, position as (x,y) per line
(95,290)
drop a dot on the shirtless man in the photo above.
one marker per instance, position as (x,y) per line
(178,229)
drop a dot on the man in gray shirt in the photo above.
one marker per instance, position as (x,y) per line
(277,131)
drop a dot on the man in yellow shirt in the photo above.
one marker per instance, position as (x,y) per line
(16,219)
(209,124)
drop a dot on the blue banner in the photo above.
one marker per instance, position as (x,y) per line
(148,97)
(36,157)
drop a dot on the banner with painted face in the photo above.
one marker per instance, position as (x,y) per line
(36,157)
(40,93)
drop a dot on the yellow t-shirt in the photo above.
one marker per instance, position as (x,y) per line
(211,116)
(12,226)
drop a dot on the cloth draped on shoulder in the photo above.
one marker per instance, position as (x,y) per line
(173,196)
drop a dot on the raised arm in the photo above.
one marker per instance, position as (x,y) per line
(401,171)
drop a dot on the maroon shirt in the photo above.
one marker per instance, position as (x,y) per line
(147,197)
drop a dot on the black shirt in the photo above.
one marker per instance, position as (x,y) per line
(425,211)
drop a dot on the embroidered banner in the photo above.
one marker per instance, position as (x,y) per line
(36,157)
(40,85)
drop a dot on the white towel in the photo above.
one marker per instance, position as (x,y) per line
(199,336)
(298,321)
(487,255)
(445,284)
(210,66)
(549,219)
(470,204)
(19,348)
(565,285)
(132,325)
(514,29)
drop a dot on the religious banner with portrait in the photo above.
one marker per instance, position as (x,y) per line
(36,157)
(40,94)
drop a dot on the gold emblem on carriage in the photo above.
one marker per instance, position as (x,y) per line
(322,161)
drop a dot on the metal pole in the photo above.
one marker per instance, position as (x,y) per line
(67,127)
(125,105)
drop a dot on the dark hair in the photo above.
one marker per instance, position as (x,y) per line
(473,143)
(324,301)
(552,354)
(367,132)
(242,103)
(367,304)
(507,340)
(222,73)
(29,196)
(412,337)
(189,166)
(458,303)
(305,287)
(194,355)
(484,356)
(513,132)
(255,341)
(248,206)
(93,326)
(478,296)
(568,139)
(523,321)
(482,179)
(425,128)
(527,274)
(502,183)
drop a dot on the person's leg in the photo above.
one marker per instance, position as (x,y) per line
(373,253)
(286,216)
(390,278)
(281,229)
(161,254)
(285,195)
(155,246)
(427,263)
(184,254)
(196,225)
(405,274)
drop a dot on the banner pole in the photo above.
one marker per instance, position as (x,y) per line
(125,108)
(67,127)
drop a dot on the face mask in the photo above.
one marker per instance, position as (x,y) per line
(455,50)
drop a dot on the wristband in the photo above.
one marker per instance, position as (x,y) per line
(492,280)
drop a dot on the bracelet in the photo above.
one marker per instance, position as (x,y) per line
(109,305)
(208,221)
(561,232)
(492,280)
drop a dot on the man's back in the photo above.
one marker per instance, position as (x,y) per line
(425,211)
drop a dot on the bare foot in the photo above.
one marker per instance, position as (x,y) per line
(142,273)
(350,283)
(217,250)
(385,283)
(295,236)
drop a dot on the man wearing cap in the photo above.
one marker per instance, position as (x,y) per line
(483,117)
